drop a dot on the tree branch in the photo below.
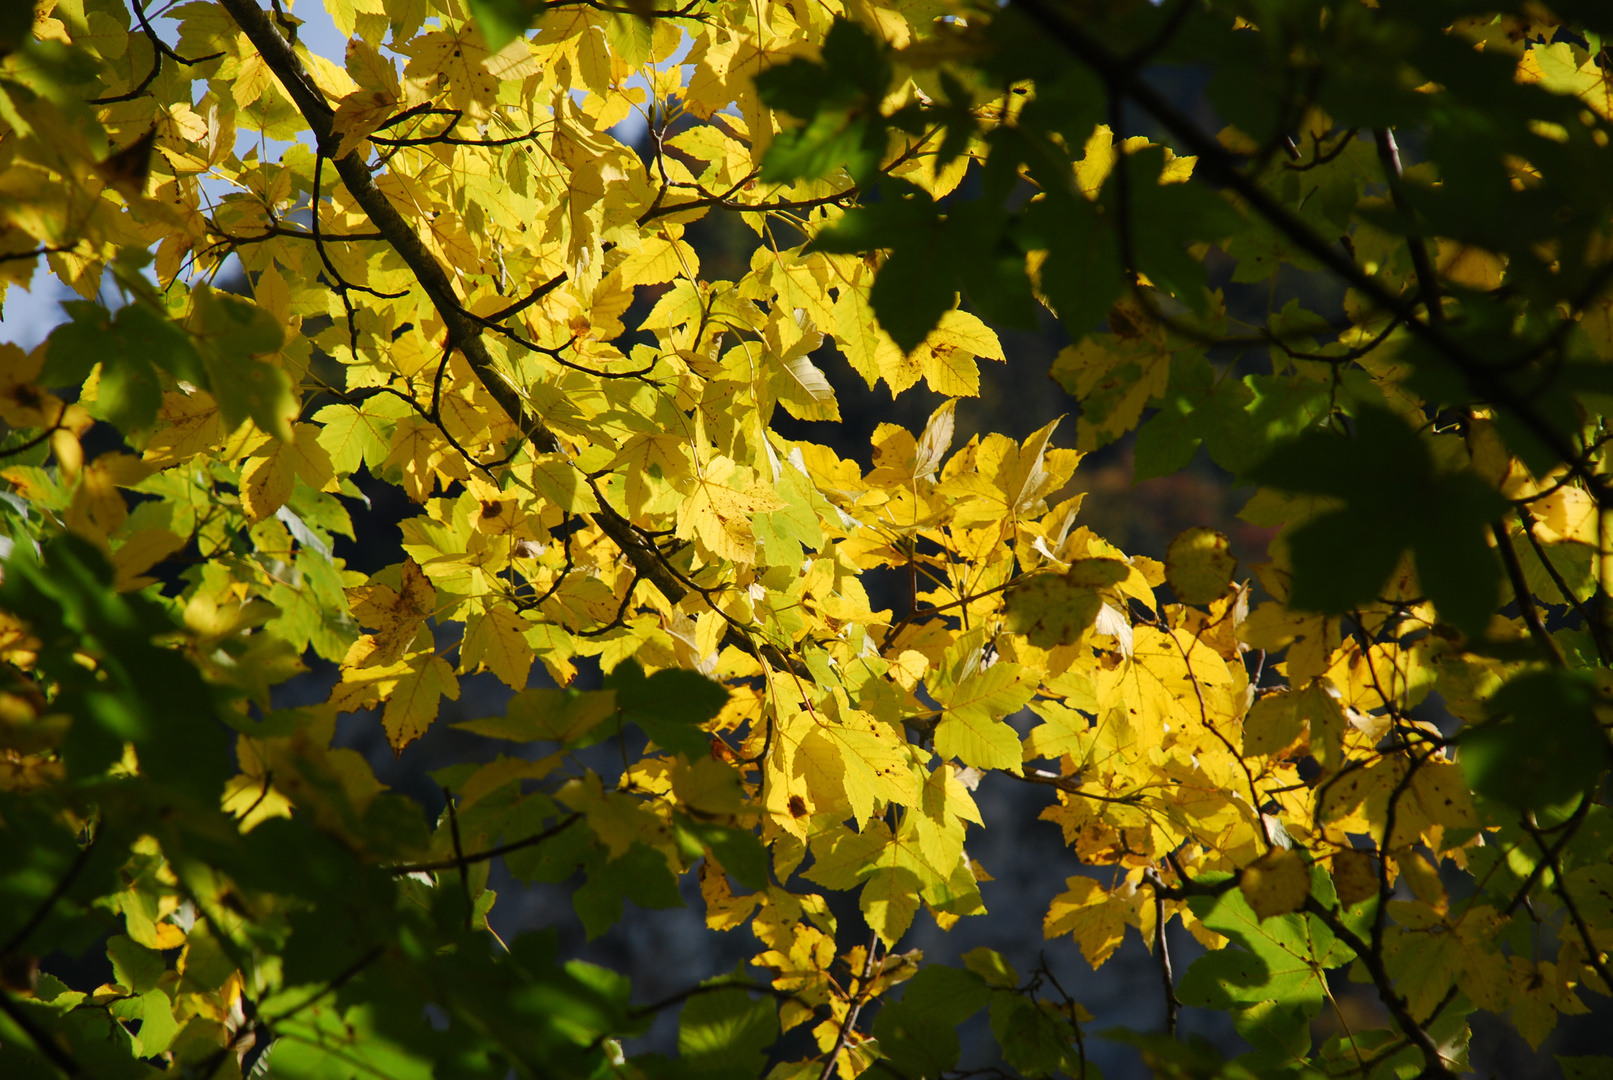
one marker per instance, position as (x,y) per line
(20,938)
(1526,600)
(1217,165)
(851,1013)
(1433,1063)
(464,330)
(461,861)
(1427,280)
(1163,950)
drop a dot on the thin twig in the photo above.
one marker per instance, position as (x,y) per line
(1162,946)
(41,913)
(1427,280)
(1526,600)
(856,1007)
(461,861)
(459,854)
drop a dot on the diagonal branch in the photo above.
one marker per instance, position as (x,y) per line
(1433,1062)
(1526,599)
(20,938)
(1427,280)
(464,331)
(48,1047)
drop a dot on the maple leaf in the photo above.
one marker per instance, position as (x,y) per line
(890,868)
(971,728)
(496,640)
(1088,913)
(363,111)
(1282,958)
(717,510)
(395,614)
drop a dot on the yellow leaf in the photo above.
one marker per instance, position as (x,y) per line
(708,786)
(1276,883)
(717,509)
(555,715)
(413,703)
(1272,725)
(1088,913)
(659,260)
(724,911)
(266,483)
(869,761)
(889,901)
(395,615)
(192,427)
(1199,565)
(309,459)
(500,771)
(1443,795)
(1468,265)
(1354,877)
(970,728)
(617,819)
(140,553)
(1053,611)
(1313,638)
(558,481)
(1098,158)
(947,356)
(497,641)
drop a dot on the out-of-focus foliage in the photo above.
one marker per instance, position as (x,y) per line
(463,286)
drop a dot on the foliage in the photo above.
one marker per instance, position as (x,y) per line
(463,286)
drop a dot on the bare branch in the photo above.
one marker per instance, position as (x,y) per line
(461,861)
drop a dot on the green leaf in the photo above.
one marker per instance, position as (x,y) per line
(838,99)
(640,875)
(1034,1039)
(991,966)
(739,850)
(1585,1068)
(567,716)
(1393,500)
(135,967)
(919,1032)
(670,706)
(1171,1058)
(502,21)
(1282,958)
(727,1030)
(130,346)
(1279,1031)
(232,334)
(1542,744)
(145,694)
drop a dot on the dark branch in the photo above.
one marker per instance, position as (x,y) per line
(1218,166)
(461,861)
(20,938)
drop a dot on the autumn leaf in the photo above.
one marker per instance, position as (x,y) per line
(496,640)
(1088,913)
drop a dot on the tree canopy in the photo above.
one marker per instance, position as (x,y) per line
(1379,755)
